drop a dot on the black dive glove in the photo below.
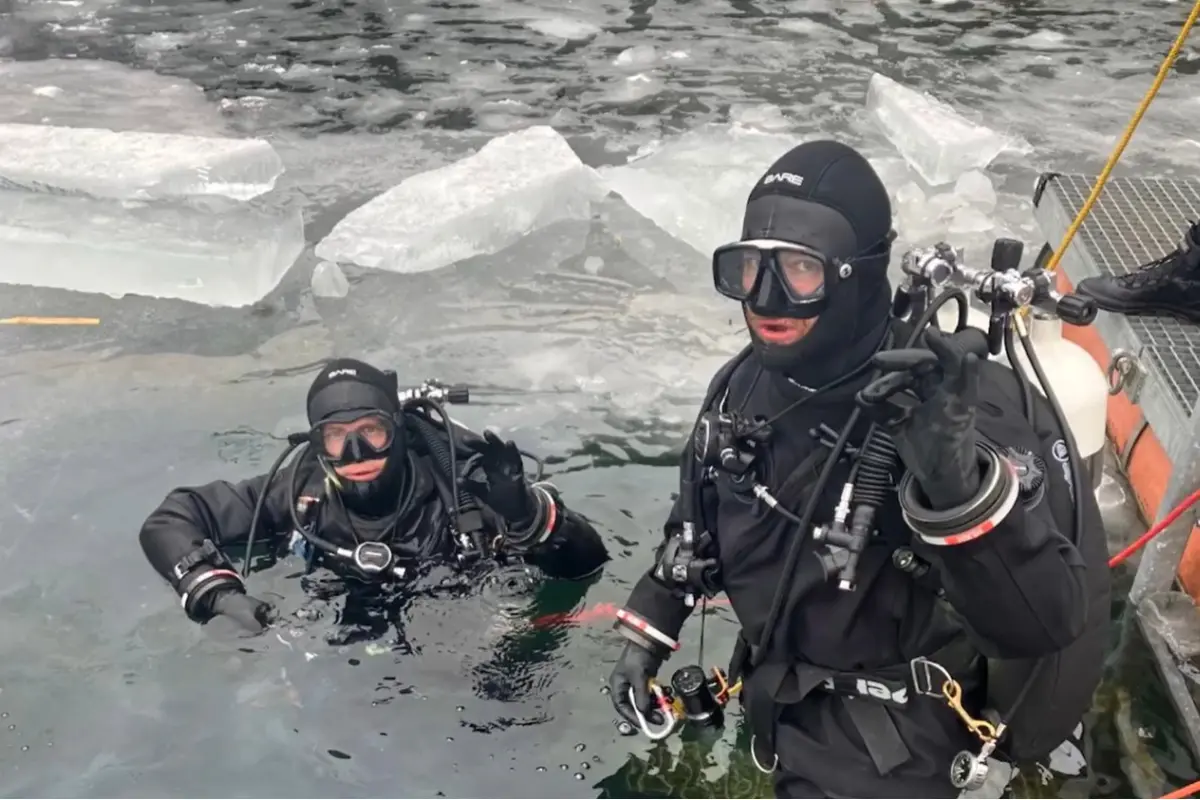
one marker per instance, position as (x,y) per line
(506,491)
(935,434)
(634,669)
(252,614)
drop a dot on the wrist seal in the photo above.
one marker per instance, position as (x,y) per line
(996,498)
(641,632)
(545,520)
(200,584)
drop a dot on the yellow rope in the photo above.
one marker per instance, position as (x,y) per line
(1052,264)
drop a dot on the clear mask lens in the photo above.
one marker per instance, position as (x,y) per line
(358,440)
(739,269)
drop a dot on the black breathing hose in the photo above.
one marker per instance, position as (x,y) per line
(444,451)
(262,499)
(1077,485)
(1010,350)
(805,521)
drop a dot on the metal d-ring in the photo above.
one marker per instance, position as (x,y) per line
(664,731)
(754,757)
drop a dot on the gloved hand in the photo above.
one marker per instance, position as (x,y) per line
(252,614)
(634,669)
(506,491)
(935,436)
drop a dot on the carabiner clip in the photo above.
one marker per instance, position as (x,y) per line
(667,728)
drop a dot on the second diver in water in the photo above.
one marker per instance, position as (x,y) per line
(379,492)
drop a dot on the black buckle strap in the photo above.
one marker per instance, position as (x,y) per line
(206,553)
(772,686)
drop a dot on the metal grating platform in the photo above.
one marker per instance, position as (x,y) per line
(1136,220)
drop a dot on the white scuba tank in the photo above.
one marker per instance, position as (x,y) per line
(1077,380)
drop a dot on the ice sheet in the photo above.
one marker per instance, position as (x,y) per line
(694,187)
(563,28)
(936,140)
(86,93)
(133,165)
(514,184)
(234,258)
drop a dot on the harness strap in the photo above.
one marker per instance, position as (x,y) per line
(772,686)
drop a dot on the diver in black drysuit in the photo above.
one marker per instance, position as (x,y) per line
(990,572)
(374,485)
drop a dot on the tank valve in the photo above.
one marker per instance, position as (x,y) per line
(1075,309)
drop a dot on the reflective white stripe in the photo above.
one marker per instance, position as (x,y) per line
(641,626)
(551,517)
(203,579)
(983,528)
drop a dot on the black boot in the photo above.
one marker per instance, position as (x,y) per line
(1167,287)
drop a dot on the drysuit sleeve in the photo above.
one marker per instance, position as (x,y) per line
(569,546)
(654,615)
(1021,585)
(187,531)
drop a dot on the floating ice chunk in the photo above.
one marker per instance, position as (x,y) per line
(1043,40)
(966,220)
(133,165)
(632,89)
(514,184)
(975,189)
(938,142)
(111,247)
(694,187)
(561,28)
(765,117)
(328,280)
(100,94)
(640,55)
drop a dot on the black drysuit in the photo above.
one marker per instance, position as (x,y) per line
(221,512)
(1023,589)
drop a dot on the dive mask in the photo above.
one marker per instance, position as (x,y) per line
(346,439)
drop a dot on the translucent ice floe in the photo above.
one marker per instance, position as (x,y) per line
(133,165)
(234,258)
(85,93)
(328,280)
(562,28)
(694,187)
(975,189)
(514,184)
(938,142)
